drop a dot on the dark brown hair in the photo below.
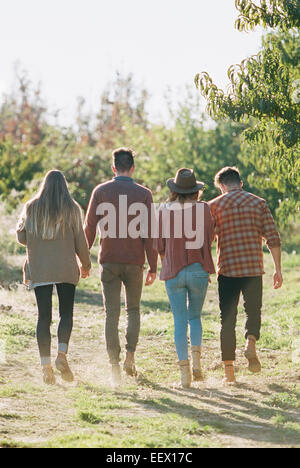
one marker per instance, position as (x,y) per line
(123,159)
(228,176)
(184,197)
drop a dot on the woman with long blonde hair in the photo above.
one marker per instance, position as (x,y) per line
(51,228)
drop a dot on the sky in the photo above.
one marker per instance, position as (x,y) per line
(74,47)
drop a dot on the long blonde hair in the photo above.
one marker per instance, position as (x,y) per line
(52,209)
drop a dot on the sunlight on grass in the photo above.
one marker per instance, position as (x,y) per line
(144,432)
(11,444)
(16,391)
(17,332)
(284,400)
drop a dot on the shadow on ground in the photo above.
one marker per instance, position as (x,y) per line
(89,297)
(231,415)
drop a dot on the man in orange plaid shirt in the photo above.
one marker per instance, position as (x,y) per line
(242,221)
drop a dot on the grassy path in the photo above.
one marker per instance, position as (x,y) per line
(152,410)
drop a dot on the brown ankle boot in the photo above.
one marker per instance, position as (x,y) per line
(186,373)
(250,354)
(229,373)
(129,364)
(48,375)
(62,366)
(196,357)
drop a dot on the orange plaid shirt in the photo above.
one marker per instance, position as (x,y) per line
(242,221)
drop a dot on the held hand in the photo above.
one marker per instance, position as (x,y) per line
(84,273)
(151,277)
(277,279)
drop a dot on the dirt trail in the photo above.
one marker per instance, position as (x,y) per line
(33,413)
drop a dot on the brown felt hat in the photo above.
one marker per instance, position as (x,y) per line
(185,182)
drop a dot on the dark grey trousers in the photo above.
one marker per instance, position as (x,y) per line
(113,275)
(230,290)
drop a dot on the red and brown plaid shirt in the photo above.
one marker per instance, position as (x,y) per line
(242,221)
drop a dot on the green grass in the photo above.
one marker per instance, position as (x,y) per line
(140,432)
(285,400)
(16,332)
(12,444)
(9,416)
(19,390)
(89,398)
(89,417)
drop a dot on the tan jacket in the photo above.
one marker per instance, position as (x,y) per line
(54,261)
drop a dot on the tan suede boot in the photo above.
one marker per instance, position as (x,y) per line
(62,366)
(250,354)
(229,373)
(129,364)
(196,356)
(186,373)
(48,375)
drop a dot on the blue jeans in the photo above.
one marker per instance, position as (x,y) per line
(187,292)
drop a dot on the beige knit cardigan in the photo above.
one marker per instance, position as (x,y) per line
(54,261)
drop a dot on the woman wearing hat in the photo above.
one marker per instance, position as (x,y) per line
(186,265)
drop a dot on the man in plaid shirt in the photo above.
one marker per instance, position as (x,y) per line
(242,221)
